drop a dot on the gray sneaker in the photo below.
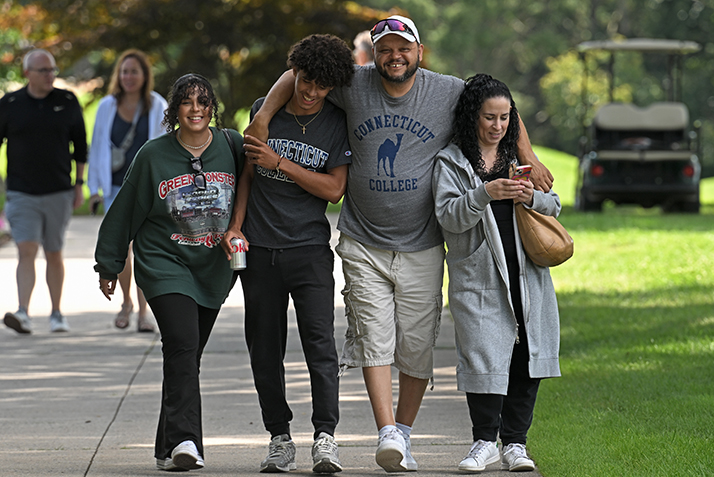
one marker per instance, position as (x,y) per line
(325,457)
(281,455)
(58,323)
(18,321)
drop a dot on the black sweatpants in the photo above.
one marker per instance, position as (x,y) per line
(271,278)
(185,327)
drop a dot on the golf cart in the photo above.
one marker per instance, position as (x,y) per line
(640,155)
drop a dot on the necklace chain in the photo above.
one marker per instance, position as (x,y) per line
(210,135)
(303,126)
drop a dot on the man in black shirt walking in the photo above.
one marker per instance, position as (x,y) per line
(39,122)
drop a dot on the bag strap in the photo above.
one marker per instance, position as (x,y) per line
(129,138)
(229,138)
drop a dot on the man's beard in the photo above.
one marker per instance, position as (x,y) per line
(398,79)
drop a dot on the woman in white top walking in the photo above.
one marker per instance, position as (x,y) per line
(127,117)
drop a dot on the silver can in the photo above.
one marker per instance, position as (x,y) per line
(238,254)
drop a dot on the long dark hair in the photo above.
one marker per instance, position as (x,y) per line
(478,89)
(182,89)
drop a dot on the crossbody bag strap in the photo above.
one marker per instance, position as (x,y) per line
(129,138)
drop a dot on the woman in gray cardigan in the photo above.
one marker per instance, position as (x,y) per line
(504,305)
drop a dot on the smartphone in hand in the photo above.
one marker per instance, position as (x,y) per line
(522,173)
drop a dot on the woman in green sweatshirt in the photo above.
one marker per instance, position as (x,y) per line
(175,204)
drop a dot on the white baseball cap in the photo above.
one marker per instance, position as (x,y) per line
(397,25)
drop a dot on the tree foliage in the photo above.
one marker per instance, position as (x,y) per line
(241,46)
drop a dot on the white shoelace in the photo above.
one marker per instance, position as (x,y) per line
(277,448)
(479,447)
(518,450)
(325,445)
(392,435)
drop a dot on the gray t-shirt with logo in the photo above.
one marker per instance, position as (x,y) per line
(394,141)
(280,213)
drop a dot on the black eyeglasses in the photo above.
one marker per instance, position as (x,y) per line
(393,24)
(199,180)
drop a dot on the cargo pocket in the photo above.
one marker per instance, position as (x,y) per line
(353,327)
(439,303)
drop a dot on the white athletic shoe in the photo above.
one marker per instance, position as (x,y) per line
(482,453)
(515,459)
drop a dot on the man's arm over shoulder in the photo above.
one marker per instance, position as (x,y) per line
(277,97)
(541,177)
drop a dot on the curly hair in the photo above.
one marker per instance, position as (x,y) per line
(325,59)
(115,87)
(182,89)
(478,89)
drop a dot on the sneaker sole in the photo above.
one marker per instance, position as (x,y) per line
(391,459)
(12,322)
(187,461)
(275,469)
(526,467)
(166,465)
(411,466)
(490,461)
(326,466)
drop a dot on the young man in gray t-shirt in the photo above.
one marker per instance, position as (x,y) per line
(399,116)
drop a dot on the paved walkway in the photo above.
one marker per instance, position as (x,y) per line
(86,403)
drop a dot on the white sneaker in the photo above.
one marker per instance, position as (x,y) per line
(58,323)
(409,462)
(18,321)
(391,451)
(186,456)
(325,457)
(482,453)
(515,459)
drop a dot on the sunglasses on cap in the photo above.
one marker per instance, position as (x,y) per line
(393,24)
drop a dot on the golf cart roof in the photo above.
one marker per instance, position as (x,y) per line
(643,44)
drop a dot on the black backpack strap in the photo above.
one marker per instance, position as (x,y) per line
(229,138)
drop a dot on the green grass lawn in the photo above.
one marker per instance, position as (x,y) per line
(637,349)
(637,343)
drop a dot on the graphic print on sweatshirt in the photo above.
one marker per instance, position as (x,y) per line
(395,138)
(306,155)
(201,215)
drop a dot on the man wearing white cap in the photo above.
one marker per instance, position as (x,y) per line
(399,116)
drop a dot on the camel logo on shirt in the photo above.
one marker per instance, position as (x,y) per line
(388,152)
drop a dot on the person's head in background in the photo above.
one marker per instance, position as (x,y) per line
(363,49)
(40,70)
(132,75)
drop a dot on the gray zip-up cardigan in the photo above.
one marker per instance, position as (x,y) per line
(479,296)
